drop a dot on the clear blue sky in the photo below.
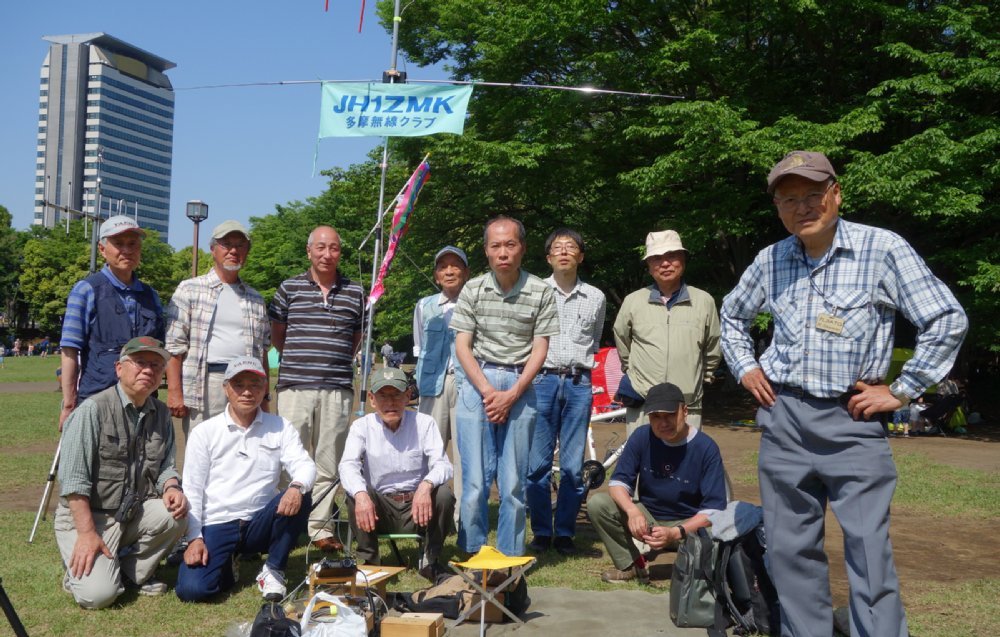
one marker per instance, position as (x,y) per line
(241,150)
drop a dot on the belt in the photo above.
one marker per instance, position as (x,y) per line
(400,497)
(517,369)
(798,392)
(565,371)
(217,367)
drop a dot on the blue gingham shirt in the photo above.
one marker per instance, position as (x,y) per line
(864,278)
(581,322)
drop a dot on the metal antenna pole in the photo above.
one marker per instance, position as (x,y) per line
(377,259)
(96,228)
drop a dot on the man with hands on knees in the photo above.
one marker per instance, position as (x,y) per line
(679,472)
(234,462)
(395,474)
(121,506)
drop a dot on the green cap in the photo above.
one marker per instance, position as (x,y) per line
(144,344)
(388,377)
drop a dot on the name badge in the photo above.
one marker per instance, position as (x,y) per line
(829,323)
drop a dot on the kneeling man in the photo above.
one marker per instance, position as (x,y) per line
(121,508)
(232,465)
(394,472)
(679,472)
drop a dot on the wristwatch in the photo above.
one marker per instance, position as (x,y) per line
(299,486)
(896,389)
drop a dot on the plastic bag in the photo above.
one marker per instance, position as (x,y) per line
(348,622)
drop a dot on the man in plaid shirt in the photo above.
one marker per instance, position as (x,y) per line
(833,289)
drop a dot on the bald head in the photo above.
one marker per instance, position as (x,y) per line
(323,248)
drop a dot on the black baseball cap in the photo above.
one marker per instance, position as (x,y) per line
(663,397)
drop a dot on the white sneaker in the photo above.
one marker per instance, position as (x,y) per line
(271,583)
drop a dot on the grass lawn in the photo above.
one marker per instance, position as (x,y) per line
(31,573)
(29,370)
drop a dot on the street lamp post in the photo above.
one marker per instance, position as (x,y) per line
(197,211)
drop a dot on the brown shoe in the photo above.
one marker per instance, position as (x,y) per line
(614,576)
(329,545)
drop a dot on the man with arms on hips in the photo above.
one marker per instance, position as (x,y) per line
(234,462)
(121,507)
(679,471)
(668,332)
(503,321)
(316,321)
(212,319)
(437,368)
(563,395)
(103,312)
(395,474)
(833,288)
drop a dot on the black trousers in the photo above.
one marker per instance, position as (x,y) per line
(395,517)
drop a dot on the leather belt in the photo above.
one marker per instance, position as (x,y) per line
(516,369)
(798,392)
(217,367)
(400,497)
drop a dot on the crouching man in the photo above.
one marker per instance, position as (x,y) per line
(394,472)
(231,470)
(679,472)
(121,508)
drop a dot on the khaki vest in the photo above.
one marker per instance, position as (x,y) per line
(117,450)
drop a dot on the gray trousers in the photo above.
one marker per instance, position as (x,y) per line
(395,517)
(147,539)
(812,452)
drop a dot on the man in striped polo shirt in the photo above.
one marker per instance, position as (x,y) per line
(503,321)
(316,321)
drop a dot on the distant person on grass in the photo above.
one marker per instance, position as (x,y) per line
(679,472)
(121,507)
(234,462)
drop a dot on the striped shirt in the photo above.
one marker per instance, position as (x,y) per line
(503,325)
(865,277)
(189,326)
(581,322)
(81,309)
(319,336)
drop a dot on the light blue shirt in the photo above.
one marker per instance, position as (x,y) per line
(865,277)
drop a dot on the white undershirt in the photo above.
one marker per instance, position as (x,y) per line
(225,336)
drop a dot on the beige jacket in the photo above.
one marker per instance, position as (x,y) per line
(679,345)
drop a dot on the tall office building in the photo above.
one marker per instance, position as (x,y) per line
(105,131)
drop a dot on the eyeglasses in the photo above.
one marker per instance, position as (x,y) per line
(564,248)
(156,366)
(791,204)
(232,245)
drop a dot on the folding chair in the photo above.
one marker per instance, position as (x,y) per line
(486,560)
(392,537)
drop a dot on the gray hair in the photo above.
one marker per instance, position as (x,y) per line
(521,235)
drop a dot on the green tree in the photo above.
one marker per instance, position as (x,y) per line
(901,95)
(10,257)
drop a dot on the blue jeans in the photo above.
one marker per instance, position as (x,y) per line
(490,452)
(563,413)
(266,532)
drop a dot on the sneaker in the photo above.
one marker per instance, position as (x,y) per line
(564,545)
(152,587)
(614,576)
(540,544)
(271,583)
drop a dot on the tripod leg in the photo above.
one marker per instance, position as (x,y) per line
(47,495)
(8,610)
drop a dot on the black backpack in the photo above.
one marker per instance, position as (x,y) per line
(745,596)
(271,622)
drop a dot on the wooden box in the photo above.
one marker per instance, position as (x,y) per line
(414,625)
